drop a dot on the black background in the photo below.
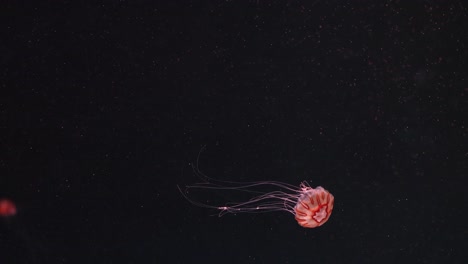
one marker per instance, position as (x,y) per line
(104,107)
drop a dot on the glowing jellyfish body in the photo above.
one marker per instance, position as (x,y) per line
(311,207)
(314,207)
(7,208)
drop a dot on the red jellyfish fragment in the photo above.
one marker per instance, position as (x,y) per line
(7,208)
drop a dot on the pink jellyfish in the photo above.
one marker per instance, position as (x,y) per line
(311,206)
(7,208)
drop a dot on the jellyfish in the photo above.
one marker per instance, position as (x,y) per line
(311,207)
(7,208)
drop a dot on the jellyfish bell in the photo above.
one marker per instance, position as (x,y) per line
(314,206)
(7,208)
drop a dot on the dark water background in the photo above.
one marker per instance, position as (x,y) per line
(104,107)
